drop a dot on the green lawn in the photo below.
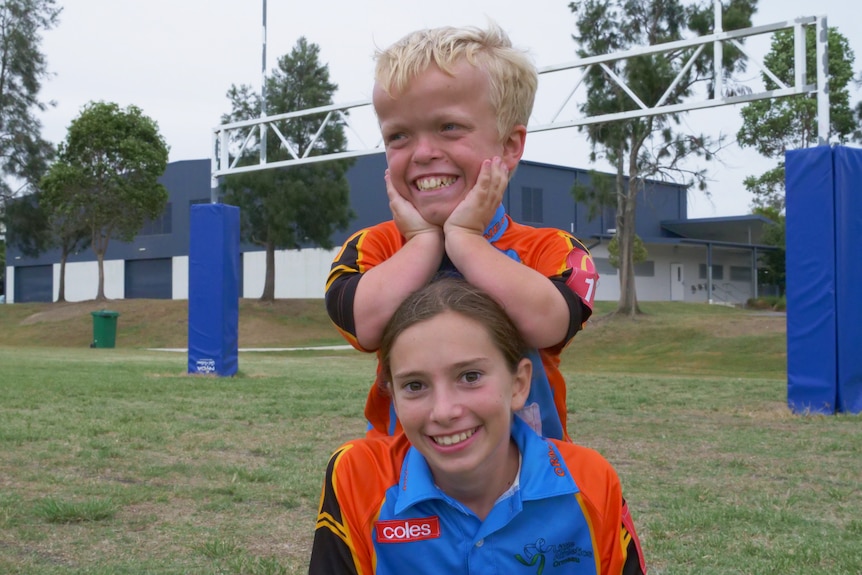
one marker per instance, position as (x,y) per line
(114,461)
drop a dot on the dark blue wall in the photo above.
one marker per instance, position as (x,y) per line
(656,202)
(188,182)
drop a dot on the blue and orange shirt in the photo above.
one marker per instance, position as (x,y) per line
(381,514)
(554,253)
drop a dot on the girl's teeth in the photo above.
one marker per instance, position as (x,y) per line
(453,439)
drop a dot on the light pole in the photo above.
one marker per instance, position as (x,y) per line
(263,89)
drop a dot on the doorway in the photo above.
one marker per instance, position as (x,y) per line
(677,282)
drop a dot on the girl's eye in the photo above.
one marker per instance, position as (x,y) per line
(412,386)
(472,377)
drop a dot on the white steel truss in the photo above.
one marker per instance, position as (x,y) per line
(230,140)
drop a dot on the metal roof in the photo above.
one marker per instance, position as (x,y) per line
(744,230)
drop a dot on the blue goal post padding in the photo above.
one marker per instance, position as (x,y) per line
(848,263)
(214,289)
(812,360)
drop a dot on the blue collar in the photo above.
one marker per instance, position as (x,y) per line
(543,472)
(498,225)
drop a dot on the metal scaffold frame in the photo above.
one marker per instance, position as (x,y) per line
(230,140)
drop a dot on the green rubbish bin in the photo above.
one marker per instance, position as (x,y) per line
(104,328)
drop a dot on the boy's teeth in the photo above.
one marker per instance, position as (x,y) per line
(453,439)
(433,183)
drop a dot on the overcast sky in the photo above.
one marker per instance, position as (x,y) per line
(176,59)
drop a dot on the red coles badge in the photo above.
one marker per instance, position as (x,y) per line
(405,530)
(584,277)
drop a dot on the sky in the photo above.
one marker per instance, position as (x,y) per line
(176,60)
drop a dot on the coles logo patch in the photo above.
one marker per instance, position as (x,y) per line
(405,530)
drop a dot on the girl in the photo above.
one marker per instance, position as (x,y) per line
(469,487)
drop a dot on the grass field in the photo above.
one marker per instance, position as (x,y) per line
(114,461)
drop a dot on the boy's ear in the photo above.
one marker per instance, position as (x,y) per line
(513,146)
(521,383)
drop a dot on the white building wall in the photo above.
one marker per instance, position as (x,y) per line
(658,286)
(298,273)
(302,274)
(82,280)
(10,285)
(180,275)
(608,287)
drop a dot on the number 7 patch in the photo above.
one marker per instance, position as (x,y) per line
(583,277)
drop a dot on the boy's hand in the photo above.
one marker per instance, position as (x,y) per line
(407,218)
(476,210)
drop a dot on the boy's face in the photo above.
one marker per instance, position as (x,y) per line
(437,132)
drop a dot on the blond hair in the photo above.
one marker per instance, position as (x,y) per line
(512,77)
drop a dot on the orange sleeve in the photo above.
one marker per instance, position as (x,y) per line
(601,493)
(363,472)
(361,252)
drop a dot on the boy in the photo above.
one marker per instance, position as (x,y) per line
(453,106)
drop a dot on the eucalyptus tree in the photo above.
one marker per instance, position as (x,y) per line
(774,126)
(105,179)
(298,206)
(652,146)
(23,68)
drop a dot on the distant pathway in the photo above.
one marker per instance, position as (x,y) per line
(244,349)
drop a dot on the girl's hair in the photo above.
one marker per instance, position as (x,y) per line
(456,295)
(512,77)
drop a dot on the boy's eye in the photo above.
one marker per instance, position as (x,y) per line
(449,127)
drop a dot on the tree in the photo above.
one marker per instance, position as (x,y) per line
(639,251)
(774,126)
(599,195)
(34,227)
(773,270)
(26,225)
(649,147)
(291,207)
(106,177)
(25,228)
(2,267)
(23,152)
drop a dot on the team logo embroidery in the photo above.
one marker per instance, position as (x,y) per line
(406,530)
(561,553)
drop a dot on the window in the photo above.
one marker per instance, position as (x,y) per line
(160,225)
(740,274)
(531,205)
(645,269)
(604,267)
(717,272)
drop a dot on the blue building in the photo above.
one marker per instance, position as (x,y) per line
(155,264)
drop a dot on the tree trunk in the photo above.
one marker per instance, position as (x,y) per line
(61,290)
(626,206)
(100,295)
(628,302)
(269,280)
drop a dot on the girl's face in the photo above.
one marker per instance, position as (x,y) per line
(455,395)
